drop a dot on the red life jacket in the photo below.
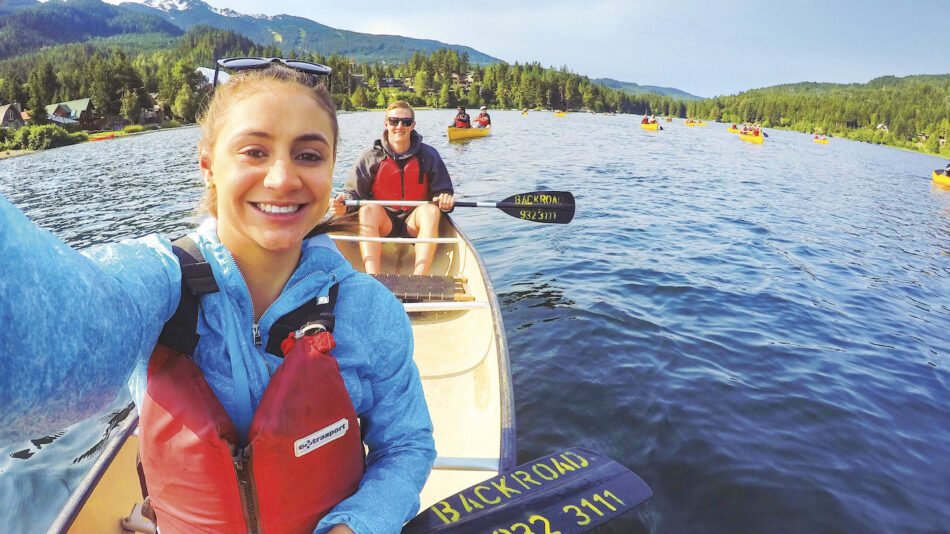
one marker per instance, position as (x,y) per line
(483,120)
(462,122)
(408,182)
(304,454)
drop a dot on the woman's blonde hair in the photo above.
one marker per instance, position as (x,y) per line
(247,82)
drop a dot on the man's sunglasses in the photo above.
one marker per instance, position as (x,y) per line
(250,63)
(406,121)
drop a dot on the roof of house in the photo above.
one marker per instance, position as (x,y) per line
(74,107)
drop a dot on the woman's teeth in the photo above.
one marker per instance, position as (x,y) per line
(271,208)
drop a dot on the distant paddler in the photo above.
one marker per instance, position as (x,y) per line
(388,171)
(462,120)
(942,176)
(483,120)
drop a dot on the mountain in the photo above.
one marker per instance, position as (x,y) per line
(26,26)
(636,89)
(296,33)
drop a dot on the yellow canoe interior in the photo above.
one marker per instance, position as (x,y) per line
(652,127)
(757,139)
(462,357)
(941,178)
(467,133)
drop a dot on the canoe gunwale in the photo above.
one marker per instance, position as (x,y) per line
(508,452)
(74,505)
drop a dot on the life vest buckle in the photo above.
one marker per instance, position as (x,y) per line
(309,329)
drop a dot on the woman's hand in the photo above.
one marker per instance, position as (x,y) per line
(337,208)
(340,529)
(445,201)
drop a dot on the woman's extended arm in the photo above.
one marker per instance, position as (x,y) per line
(73,325)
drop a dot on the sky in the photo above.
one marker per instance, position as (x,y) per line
(704,47)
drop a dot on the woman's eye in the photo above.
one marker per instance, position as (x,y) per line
(310,156)
(253,153)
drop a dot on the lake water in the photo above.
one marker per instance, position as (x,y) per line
(759,331)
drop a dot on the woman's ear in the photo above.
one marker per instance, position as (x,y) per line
(204,165)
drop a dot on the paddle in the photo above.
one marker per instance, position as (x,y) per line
(568,492)
(538,206)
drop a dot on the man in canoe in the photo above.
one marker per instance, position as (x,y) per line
(399,166)
(483,119)
(462,120)
(260,386)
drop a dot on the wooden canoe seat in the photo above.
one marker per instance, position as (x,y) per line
(426,288)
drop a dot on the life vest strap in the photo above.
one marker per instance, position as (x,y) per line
(181,331)
(314,311)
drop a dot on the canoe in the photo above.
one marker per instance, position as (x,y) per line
(695,123)
(524,113)
(822,141)
(462,356)
(560,113)
(467,133)
(102,138)
(757,139)
(734,130)
(654,127)
(668,119)
(940,177)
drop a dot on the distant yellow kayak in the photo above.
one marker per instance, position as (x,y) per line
(669,119)
(733,130)
(466,133)
(757,139)
(652,127)
(524,112)
(694,123)
(560,113)
(822,141)
(941,178)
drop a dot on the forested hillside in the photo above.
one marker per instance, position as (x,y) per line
(32,28)
(911,112)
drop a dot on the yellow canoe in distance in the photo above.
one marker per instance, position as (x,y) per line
(465,133)
(940,177)
(653,127)
(757,139)
(733,130)
(668,119)
(694,123)
(560,113)
(822,141)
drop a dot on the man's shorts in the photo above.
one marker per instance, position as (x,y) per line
(398,218)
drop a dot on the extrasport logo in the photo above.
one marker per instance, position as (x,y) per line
(321,437)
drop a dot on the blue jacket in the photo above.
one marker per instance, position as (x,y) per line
(76,326)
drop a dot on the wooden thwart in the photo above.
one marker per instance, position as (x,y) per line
(426,288)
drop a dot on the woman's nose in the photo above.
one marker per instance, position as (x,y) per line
(281,177)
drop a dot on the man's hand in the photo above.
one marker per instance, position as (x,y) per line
(337,208)
(445,201)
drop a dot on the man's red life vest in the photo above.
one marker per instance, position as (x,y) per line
(483,120)
(462,122)
(304,455)
(408,182)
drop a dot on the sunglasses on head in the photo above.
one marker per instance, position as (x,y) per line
(251,63)
(406,121)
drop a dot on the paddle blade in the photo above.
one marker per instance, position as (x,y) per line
(568,492)
(540,206)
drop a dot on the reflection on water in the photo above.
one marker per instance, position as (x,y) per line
(759,331)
